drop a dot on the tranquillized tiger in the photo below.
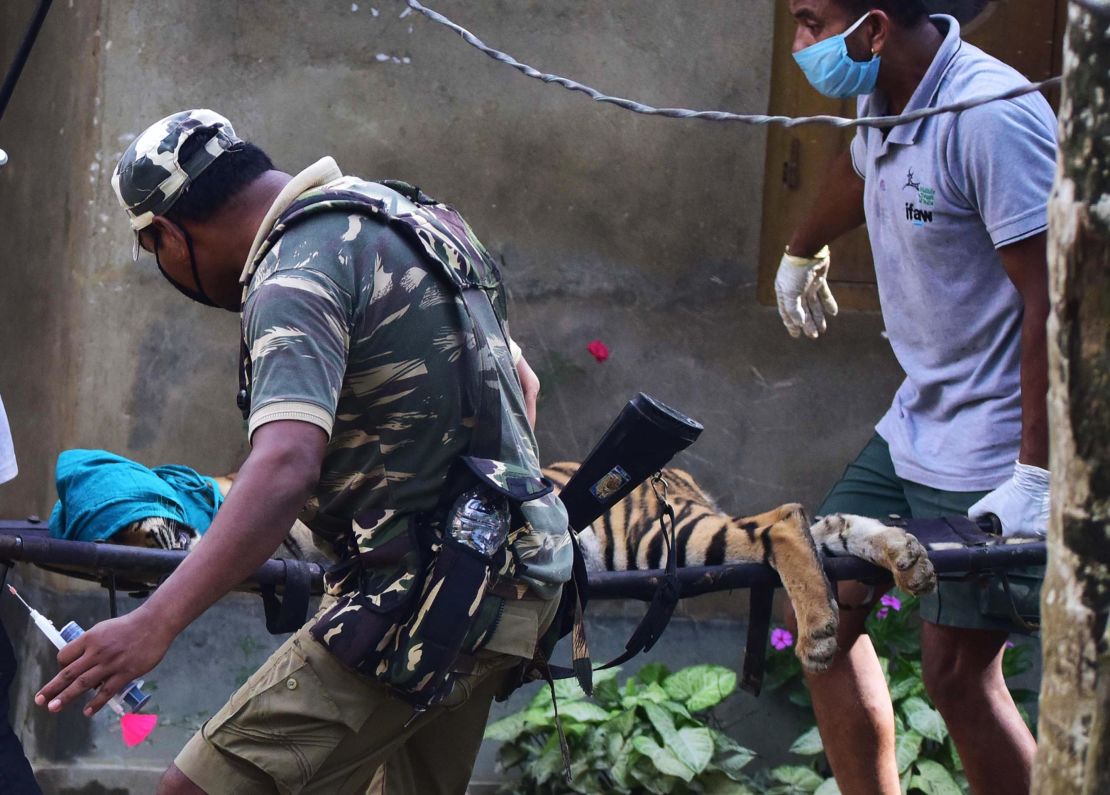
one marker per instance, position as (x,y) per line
(629,537)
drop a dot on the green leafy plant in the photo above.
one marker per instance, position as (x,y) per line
(927,758)
(655,733)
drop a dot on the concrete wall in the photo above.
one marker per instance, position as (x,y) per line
(46,202)
(642,232)
(639,231)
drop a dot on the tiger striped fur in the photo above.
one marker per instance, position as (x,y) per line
(628,537)
(156,532)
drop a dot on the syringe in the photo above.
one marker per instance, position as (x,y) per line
(130,700)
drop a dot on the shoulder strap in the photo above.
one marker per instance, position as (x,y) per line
(655,620)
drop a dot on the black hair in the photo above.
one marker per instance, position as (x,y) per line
(226,176)
(907,13)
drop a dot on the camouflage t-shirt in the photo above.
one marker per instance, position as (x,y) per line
(348,327)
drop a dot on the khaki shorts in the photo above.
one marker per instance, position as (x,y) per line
(304,723)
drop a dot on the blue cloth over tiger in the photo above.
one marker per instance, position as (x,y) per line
(101,493)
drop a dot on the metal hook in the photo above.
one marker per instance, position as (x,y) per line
(656,480)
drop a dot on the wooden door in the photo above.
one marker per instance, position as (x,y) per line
(1027,34)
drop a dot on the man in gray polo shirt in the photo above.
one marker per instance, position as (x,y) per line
(955,207)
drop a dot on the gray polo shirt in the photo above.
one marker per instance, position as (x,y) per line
(941,196)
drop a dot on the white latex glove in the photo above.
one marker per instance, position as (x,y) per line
(1021,503)
(803,293)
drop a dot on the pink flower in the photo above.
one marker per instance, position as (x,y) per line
(893,602)
(781,638)
(598,350)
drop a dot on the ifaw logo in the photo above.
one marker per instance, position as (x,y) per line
(926,196)
(918,217)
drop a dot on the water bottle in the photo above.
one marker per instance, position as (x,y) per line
(132,698)
(480,519)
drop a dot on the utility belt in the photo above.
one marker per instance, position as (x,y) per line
(453,555)
(456,556)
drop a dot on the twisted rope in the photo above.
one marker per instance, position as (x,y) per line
(720,115)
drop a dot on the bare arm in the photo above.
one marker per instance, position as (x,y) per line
(530,383)
(838,209)
(270,490)
(1026,263)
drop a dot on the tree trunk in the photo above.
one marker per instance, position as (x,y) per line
(1074,748)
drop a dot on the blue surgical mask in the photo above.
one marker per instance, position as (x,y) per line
(830,69)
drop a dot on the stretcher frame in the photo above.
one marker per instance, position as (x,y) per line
(133,569)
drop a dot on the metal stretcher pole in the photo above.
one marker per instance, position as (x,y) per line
(762,580)
(22,541)
(707,579)
(32,547)
(122,560)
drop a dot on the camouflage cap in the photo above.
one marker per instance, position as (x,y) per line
(150,175)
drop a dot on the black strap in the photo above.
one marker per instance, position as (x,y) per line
(288,613)
(949,530)
(564,747)
(667,594)
(759,626)
(243,397)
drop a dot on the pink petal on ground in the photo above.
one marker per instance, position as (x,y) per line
(598,350)
(136,727)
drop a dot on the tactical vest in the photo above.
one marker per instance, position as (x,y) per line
(413,645)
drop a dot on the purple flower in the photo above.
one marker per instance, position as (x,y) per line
(781,638)
(1009,644)
(882,613)
(893,602)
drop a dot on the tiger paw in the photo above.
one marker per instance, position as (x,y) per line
(890,547)
(909,564)
(816,649)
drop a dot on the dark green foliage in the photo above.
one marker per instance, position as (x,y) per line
(653,734)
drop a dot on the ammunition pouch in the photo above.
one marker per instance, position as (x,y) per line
(412,645)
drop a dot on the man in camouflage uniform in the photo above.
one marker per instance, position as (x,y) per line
(362,360)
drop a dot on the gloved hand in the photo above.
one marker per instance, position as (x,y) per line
(1021,503)
(803,293)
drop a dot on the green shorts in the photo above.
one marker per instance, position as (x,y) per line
(305,723)
(870,487)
